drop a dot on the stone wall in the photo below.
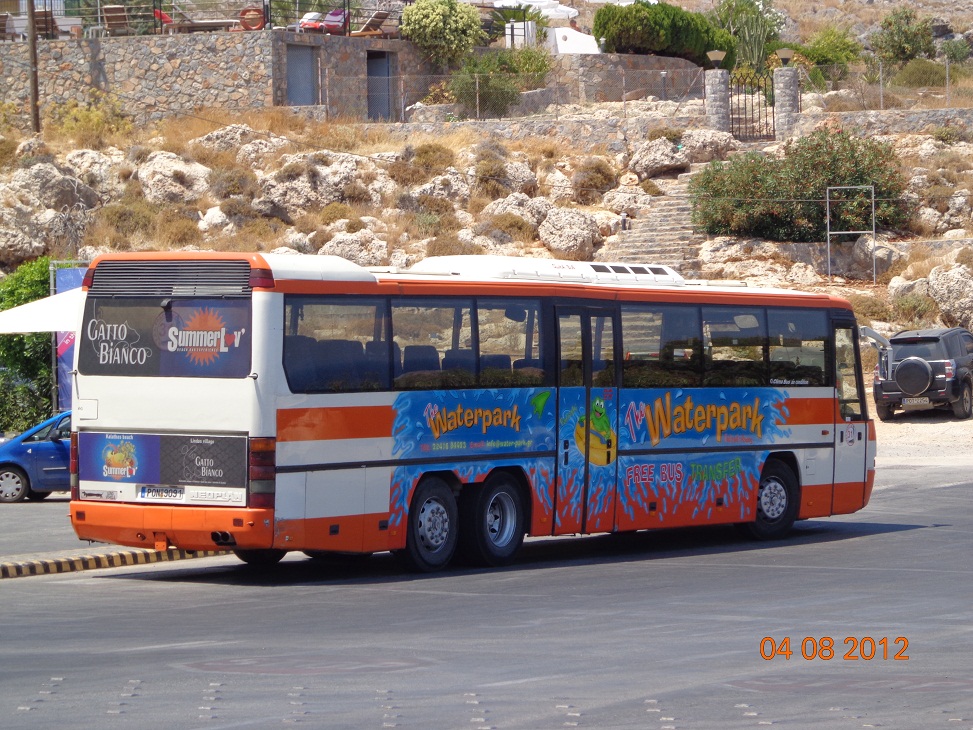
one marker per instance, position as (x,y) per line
(156,76)
(605,77)
(891,121)
(153,76)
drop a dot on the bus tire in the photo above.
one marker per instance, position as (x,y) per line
(260,558)
(433,524)
(777,502)
(492,521)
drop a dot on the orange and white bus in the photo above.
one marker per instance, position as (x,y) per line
(266,403)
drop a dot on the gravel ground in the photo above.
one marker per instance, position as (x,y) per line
(931,438)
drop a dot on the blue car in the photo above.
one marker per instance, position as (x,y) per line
(35,463)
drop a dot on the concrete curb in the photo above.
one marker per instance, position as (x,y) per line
(91,562)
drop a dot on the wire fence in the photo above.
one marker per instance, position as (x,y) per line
(467,96)
(876,86)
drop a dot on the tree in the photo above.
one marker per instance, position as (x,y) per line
(754,24)
(902,37)
(661,29)
(25,360)
(444,30)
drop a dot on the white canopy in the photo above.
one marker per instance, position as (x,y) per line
(58,313)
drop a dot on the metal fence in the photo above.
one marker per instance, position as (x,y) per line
(877,87)
(462,96)
(97,18)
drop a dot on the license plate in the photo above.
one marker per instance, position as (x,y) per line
(161,492)
(915,401)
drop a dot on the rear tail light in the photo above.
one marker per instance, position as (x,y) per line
(262,470)
(950,370)
(73,467)
(261,278)
(876,375)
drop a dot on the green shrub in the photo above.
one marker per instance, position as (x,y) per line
(25,360)
(335,212)
(593,177)
(673,135)
(450,245)
(445,31)
(783,199)
(650,188)
(869,309)
(664,30)
(233,181)
(514,226)
(483,88)
(432,204)
(8,153)
(491,178)
(90,124)
(915,309)
(920,72)
(903,37)
(129,218)
(832,46)
(955,50)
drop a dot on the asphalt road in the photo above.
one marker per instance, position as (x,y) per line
(660,630)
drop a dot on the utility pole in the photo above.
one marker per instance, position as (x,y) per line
(35,104)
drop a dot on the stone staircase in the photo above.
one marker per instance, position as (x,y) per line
(662,235)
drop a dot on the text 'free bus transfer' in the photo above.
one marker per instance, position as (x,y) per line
(268,403)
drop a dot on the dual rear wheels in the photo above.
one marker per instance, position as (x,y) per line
(486,525)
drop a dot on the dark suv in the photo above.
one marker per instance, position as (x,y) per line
(925,369)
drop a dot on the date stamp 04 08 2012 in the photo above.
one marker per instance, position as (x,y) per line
(856,649)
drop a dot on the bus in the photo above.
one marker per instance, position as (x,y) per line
(271,403)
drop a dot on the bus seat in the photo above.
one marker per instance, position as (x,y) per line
(458,360)
(496,362)
(377,352)
(339,364)
(419,357)
(299,364)
(527,362)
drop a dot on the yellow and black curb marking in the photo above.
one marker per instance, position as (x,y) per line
(92,562)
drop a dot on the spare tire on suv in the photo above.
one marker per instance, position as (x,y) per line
(925,369)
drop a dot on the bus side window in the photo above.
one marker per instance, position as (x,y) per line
(797,347)
(660,346)
(509,336)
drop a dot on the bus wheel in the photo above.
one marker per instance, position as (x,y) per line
(492,522)
(777,502)
(260,558)
(433,521)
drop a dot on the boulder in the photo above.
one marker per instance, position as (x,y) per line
(52,189)
(452,185)
(706,145)
(631,201)
(656,157)
(952,288)
(532,210)
(167,178)
(558,187)
(98,170)
(362,247)
(228,138)
(570,234)
(900,287)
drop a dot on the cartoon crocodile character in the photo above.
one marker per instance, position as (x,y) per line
(600,424)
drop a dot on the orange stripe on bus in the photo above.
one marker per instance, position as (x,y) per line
(806,411)
(323,424)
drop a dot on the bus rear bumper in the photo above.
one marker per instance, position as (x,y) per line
(160,527)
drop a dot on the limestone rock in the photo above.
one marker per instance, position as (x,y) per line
(656,157)
(570,234)
(167,178)
(52,189)
(952,288)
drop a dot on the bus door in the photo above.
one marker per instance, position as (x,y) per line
(587,421)
(851,423)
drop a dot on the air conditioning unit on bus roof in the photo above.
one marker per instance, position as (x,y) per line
(512,267)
